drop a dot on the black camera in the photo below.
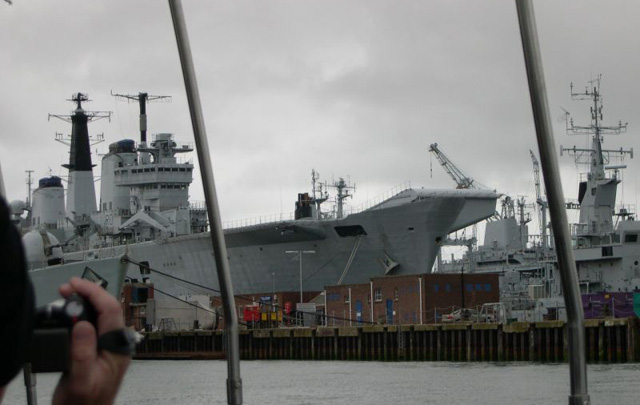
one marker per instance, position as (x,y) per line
(51,343)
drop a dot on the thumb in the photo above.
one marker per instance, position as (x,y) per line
(83,353)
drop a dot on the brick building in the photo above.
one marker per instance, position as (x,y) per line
(411,299)
(134,303)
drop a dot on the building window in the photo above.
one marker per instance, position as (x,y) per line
(346,299)
(630,238)
(447,287)
(436,287)
(369,298)
(395,294)
(378,295)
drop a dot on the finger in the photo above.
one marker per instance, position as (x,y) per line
(84,353)
(107,307)
(66,290)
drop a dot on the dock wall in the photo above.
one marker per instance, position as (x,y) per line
(608,340)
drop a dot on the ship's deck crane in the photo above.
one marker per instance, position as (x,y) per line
(461,179)
(463,182)
(542,203)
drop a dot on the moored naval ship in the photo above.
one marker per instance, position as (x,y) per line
(605,240)
(144,213)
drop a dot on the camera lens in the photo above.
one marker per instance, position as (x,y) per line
(74,309)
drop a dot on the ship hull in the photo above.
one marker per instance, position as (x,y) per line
(109,272)
(398,237)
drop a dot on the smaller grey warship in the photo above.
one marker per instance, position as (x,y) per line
(605,239)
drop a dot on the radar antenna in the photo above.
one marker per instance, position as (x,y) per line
(596,157)
(78,98)
(343,192)
(142,99)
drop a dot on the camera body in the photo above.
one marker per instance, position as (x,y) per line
(53,323)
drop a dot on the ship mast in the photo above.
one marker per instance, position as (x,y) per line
(142,99)
(321,196)
(81,194)
(597,195)
(29,184)
(343,192)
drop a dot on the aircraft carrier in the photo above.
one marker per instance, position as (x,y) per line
(144,213)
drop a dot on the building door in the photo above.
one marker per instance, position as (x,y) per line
(359,311)
(389,311)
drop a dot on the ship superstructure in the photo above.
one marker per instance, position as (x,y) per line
(606,240)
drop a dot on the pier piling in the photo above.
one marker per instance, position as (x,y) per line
(608,340)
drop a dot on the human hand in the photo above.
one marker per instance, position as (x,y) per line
(94,377)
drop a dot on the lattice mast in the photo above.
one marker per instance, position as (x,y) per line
(597,195)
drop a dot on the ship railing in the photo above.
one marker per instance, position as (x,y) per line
(379,199)
(197,205)
(265,219)
(183,146)
(610,174)
(578,230)
(184,161)
(625,209)
(326,215)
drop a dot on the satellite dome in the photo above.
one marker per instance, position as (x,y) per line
(41,249)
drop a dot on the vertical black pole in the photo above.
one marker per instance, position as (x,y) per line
(143,116)
(462,285)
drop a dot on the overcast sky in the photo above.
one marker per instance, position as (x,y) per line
(358,89)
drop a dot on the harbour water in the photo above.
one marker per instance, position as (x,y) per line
(336,382)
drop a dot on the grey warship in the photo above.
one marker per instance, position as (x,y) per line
(605,239)
(144,212)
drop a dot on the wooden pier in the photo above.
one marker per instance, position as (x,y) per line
(608,340)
